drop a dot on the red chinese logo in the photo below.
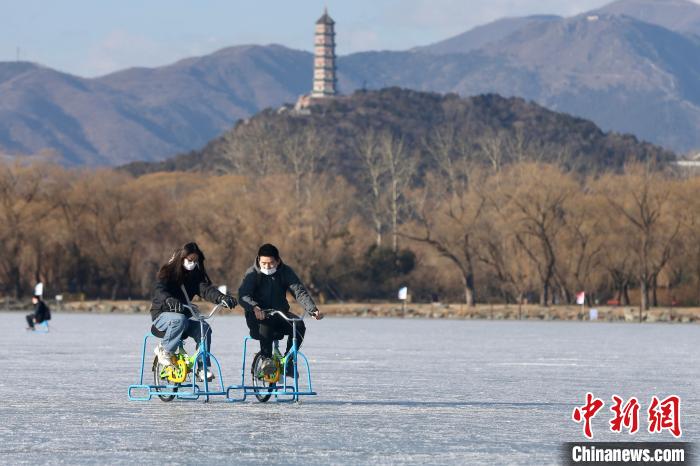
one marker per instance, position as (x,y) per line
(662,414)
(626,416)
(587,412)
(665,414)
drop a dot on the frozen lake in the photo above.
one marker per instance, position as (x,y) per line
(390,392)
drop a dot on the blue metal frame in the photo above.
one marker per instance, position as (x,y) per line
(41,327)
(283,390)
(194,391)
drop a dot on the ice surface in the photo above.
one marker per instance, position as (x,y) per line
(391,391)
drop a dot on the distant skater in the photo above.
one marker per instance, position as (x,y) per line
(41,313)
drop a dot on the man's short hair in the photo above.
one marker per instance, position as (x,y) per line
(268,250)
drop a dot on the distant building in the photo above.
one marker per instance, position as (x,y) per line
(324,57)
(688,165)
(325,80)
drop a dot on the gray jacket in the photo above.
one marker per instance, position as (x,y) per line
(270,291)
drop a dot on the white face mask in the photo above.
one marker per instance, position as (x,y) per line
(189,265)
(269,271)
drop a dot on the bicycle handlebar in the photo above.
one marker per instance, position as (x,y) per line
(284,316)
(194,310)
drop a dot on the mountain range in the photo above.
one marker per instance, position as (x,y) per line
(631,66)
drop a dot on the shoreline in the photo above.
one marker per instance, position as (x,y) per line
(426,311)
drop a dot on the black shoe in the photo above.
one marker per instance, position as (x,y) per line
(290,368)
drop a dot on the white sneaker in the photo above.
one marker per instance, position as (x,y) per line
(200,375)
(164,358)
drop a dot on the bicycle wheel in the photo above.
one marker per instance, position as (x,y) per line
(158,381)
(262,388)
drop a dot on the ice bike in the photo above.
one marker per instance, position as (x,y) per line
(41,327)
(265,384)
(179,380)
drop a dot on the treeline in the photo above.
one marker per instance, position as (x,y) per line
(464,231)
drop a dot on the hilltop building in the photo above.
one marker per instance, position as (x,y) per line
(324,57)
(688,165)
(325,80)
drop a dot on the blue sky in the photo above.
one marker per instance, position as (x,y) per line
(94,37)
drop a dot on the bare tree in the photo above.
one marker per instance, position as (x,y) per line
(452,225)
(23,203)
(304,149)
(255,151)
(643,200)
(400,168)
(367,148)
(491,146)
(534,199)
(448,212)
(502,252)
(116,216)
(687,207)
(451,156)
(582,244)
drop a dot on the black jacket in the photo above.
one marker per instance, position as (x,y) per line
(42,312)
(196,283)
(270,291)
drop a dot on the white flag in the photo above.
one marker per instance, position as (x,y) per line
(581,297)
(403,293)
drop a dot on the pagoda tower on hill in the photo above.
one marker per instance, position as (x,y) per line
(324,57)
(325,73)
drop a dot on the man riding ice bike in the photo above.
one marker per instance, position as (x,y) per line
(264,286)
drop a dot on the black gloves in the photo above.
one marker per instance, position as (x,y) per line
(229,301)
(173,305)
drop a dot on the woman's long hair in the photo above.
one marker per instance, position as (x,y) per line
(174,272)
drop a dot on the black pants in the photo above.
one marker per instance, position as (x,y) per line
(31,319)
(273,328)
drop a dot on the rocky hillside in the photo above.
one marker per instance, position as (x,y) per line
(334,132)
